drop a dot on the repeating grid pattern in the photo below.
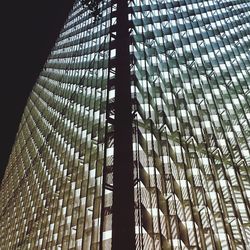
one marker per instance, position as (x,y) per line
(191,86)
(52,190)
(190,71)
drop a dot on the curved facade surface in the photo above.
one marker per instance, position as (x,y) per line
(191,115)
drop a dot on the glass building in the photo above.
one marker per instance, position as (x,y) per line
(189,71)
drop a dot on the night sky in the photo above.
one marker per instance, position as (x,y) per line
(28,32)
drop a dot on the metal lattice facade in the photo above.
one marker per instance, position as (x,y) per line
(191,132)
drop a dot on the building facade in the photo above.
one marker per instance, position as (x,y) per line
(189,76)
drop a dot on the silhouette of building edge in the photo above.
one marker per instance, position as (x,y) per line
(188,107)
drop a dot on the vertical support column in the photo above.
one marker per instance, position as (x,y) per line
(123,225)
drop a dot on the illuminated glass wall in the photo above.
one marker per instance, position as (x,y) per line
(51,193)
(192,141)
(190,88)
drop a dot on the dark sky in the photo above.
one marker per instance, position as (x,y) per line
(28,32)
